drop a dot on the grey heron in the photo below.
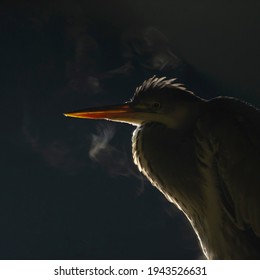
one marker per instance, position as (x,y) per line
(203,155)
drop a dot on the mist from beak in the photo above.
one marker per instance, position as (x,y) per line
(117,162)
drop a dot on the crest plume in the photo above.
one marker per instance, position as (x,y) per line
(162,82)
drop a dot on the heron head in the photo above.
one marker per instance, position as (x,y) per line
(156,100)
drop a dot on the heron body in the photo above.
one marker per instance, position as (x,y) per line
(204,156)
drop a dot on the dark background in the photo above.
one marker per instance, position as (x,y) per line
(69,189)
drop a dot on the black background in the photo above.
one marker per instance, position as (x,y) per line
(69,189)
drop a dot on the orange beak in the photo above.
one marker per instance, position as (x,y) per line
(119,113)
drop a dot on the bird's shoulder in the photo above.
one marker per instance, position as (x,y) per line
(228,119)
(232,105)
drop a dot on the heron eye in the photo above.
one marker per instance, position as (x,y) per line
(156,105)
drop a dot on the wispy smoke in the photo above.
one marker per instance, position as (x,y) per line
(151,48)
(146,49)
(114,160)
(107,155)
(94,84)
(100,142)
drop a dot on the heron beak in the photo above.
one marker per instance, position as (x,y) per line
(118,113)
